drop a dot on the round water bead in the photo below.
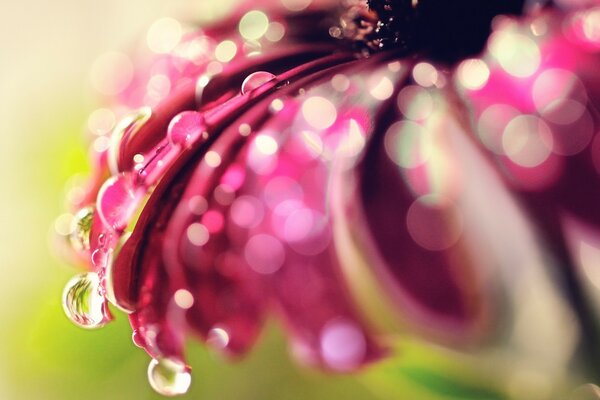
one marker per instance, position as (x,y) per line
(83,303)
(256,80)
(81,227)
(186,127)
(169,377)
(117,201)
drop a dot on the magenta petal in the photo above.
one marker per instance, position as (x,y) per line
(555,110)
(283,235)
(412,249)
(153,131)
(224,303)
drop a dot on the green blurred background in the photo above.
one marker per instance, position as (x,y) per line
(46,52)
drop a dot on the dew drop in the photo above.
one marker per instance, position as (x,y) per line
(186,127)
(169,377)
(218,338)
(138,339)
(117,201)
(83,303)
(81,227)
(99,258)
(256,80)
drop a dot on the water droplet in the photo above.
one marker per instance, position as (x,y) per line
(256,80)
(117,201)
(83,303)
(99,258)
(169,377)
(81,227)
(218,338)
(186,127)
(138,339)
(128,126)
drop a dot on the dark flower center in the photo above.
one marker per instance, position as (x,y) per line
(443,30)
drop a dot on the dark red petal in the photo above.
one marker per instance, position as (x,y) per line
(227,302)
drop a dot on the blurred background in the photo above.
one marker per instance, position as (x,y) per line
(54,60)
(47,50)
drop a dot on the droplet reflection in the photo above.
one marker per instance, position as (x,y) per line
(169,377)
(255,80)
(185,127)
(81,226)
(83,302)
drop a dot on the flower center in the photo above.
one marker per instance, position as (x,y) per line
(442,30)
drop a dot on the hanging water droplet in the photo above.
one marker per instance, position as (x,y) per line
(81,227)
(169,377)
(138,339)
(117,201)
(83,303)
(99,258)
(128,126)
(186,127)
(218,338)
(255,80)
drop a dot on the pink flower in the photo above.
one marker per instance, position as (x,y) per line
(286,165)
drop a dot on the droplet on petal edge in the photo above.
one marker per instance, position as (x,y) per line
(185,127)
(117,201)
(99,258)
(81,227)
(169,377)
(256,80)
(129,125)
(83,303)
(137,339)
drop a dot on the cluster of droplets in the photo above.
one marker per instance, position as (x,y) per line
(100,228)
(284,217)
(83,297)
(109,219)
